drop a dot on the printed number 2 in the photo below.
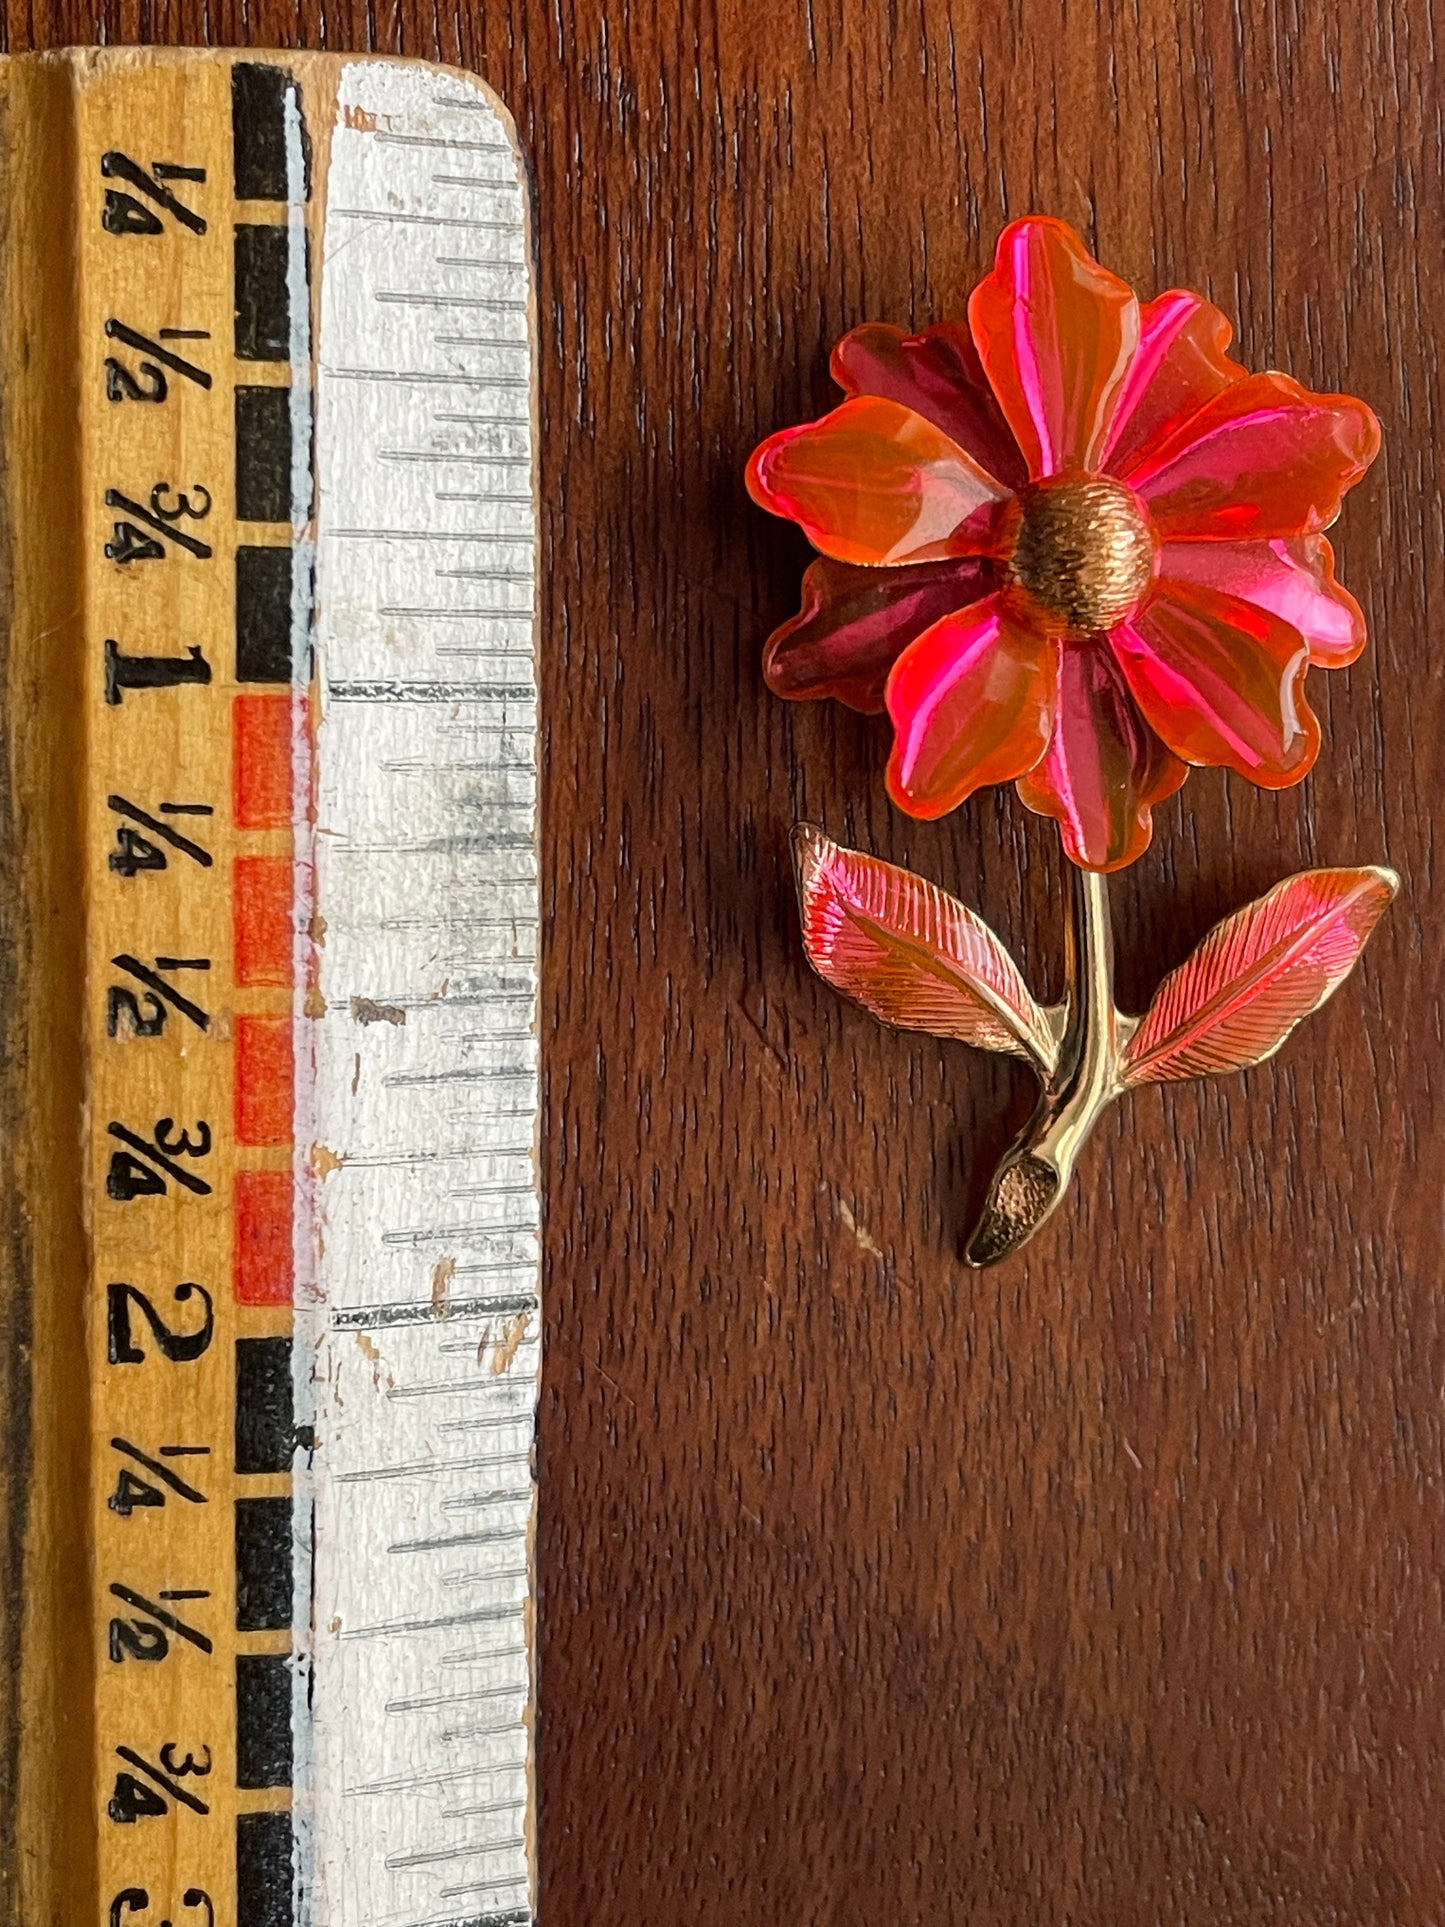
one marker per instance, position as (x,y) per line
(180,1347)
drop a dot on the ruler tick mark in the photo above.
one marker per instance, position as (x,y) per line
(475,458)
(410,1782)
(480,341)
(457,1580)
(513,1917)
(489,612)
(431,692)
(434,1469)
(479,1501)
(474,1850)
(479,180)
(378,1317)
(444,140)
(435,1702)
(484,1886)
(405,298)
(409,1628)
(502,1536)
(395,217)
(425,377)
(497,1074)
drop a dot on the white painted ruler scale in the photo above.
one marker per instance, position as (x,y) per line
(417,1343)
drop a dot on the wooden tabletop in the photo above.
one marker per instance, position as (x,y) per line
(1104,1588)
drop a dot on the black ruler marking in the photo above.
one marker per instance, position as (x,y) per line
(263,614)
(265,1845)
(265,1410)
(263,1721)
(263,454)
(265,1428)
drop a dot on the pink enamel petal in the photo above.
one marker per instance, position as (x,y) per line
(1055,333)
(1264,458)
(855,623)
(938,375)
(1295,579)
(1104,769)
(1221,681)
(1181,364)
(875,483)
(972,702)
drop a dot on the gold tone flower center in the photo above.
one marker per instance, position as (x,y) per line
(1084,552)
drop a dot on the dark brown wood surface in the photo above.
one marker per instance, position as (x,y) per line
(1105,1588)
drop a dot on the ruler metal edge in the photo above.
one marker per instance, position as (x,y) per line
(46,1850)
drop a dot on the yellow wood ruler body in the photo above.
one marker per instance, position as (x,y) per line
(270,1241)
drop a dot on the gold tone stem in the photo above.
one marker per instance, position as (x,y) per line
(1032,1177)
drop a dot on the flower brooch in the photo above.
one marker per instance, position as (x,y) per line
(1072,545)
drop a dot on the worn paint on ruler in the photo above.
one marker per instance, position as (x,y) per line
(425,1329)
(303,748)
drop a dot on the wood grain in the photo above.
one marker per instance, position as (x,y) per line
(47,1720)
(1107,1588)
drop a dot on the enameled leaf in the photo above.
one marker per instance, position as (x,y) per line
(1241,993)
(913,956)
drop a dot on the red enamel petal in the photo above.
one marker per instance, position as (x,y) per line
(938,375)
(1295,579)
(1104,768)
(1222,682)
(972,702)
(1180,365)
(855,623)
(1056,333)
(1264,458)
(875,483)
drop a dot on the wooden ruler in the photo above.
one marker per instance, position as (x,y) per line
(269,968)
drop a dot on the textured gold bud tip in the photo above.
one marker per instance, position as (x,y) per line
(1022,1196)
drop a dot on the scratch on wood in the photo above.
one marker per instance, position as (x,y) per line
(866,1240)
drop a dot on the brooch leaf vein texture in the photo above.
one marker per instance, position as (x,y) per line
(1072,545)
